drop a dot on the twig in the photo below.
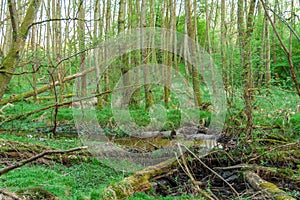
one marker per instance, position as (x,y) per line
(33,158)
(212,170)
(241,166)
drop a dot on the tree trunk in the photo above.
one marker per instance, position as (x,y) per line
(107,32)
(245,45)
(11,60)
(224,48)
(267,53)
(81,38)
(194,70)
(285,49)
(148,93)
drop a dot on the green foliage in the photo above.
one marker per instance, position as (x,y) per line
(294,125)
(144,196)
(66,183)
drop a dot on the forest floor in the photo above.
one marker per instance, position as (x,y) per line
(226,172)
(265,166)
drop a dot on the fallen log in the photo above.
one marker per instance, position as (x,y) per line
(139,181)
(266,187)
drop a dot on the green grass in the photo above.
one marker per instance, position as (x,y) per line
(144,196)
(45,140)
(79,181)
(65,183)
(272,107)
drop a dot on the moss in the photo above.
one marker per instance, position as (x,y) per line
(274,190)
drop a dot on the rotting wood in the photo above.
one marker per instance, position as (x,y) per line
(267,187)
(139,181)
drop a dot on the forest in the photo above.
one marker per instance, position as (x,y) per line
(149,99)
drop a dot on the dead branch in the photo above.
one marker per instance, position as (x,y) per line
(186,169)
(4,107)
(33,158)
(192,153)
(290,145)
(52,106)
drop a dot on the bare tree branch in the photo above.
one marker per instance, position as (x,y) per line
(33,158)
(286,23)
(63,19)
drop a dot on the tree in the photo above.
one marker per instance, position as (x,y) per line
(147,86)
(245,45)
(81,37)
(267,54)
(287,51)
(20,32)
(194,70)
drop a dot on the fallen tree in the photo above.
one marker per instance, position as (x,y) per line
(139,181)
(31,93)
(266,187)
(24,115)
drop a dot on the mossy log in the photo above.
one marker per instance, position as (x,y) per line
(267,187)
(139,181)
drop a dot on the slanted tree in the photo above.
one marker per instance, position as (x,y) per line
(20,32)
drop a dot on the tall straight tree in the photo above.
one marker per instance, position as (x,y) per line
(124,63)
(267,54)
(81,37)
(194,71)
(107,32)
(245,45)
(147,87)
(223,47)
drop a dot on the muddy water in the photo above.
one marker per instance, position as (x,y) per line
(159,142)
